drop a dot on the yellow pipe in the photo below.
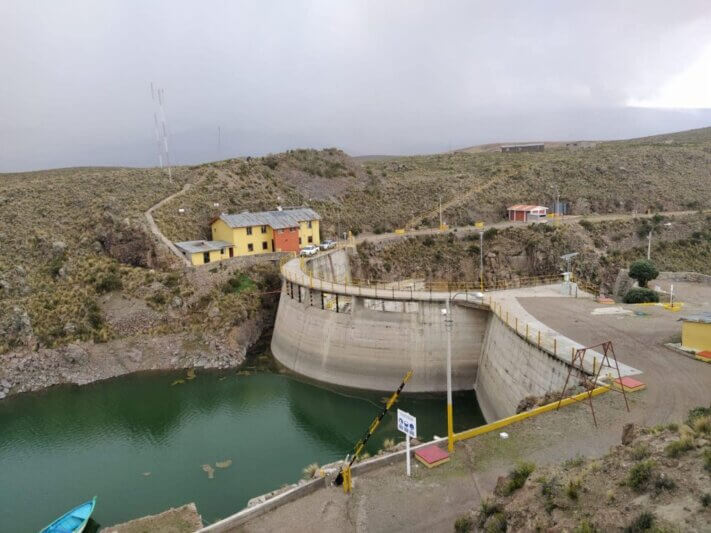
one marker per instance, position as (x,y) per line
(468,434)
(450,428)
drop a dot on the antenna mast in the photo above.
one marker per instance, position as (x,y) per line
(161,130)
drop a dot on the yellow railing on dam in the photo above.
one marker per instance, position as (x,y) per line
(557,346)
(468,434)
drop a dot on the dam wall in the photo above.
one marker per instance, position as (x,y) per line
(371,343)
(334,331)
(510,368)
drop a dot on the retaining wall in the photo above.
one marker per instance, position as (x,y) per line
(511,369)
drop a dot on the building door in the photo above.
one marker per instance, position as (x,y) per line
(206,257)
(232,252)
(273,249)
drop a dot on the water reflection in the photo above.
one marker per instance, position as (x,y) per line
(67,444)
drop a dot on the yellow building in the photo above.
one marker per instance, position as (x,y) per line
(284,230)
(203,252)
(696,332)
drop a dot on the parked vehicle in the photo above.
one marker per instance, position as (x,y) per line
(327,245)
(309,250)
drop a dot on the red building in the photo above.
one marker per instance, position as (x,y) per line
(286,240)
(527,213)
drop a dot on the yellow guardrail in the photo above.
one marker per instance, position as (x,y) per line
(468,434)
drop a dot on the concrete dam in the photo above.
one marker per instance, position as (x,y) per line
(333,331)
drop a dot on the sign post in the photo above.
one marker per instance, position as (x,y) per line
(408,425)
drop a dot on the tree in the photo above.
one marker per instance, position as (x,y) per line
(643,271)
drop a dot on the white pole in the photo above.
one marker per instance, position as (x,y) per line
(407,447)
(649,245)
(671,295)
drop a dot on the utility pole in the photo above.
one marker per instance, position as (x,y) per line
(440,212)
(450,422)
(557,201)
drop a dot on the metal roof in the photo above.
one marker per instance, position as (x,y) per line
(524,207)
(287,218)
(194,247)
(521,144)
(704,318)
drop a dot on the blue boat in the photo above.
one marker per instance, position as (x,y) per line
(74,521)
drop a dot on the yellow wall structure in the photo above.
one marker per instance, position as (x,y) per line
(241,240)
(305,232)
(215,255)
(696,335)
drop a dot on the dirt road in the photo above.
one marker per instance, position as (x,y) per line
(675,383)
(463,230)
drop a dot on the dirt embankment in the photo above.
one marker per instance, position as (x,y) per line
(207,318)
(658,479)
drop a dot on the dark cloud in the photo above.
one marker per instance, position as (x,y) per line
(371,77)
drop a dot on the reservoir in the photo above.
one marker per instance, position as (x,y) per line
(144,443)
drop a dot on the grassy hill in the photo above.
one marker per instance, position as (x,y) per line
(68,236)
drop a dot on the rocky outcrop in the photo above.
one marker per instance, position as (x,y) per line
(127,242)
(80,363)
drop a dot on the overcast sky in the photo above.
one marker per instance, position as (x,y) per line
(370,77)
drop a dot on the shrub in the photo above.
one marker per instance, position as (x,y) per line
(676,448)
(639,452)
(310,471)
(463,524)
(662,482)
(586,527)
(573,488)
(549,489)
(697,412)
(703,424)
(586,224)
(518,477)
(238,283)
(639,475)
(490,234)
(575,462)
(388,444)
(488,508)
(496,523)
(643,271)
(707,459)
(111,281)
(638,295)
(705,499)
(643,522)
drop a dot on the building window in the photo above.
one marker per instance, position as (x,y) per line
(311,239)
(264,229)
(250,247)
(206,257)
(222,251)
(249,230)
(299,240)
(309,224)
(265,246)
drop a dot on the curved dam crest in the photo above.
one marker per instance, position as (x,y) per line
(337,333)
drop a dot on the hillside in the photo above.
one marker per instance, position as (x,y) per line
(660,173)
(657,480)
(521,251)
(70,237)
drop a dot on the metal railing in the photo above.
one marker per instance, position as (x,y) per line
(558,346)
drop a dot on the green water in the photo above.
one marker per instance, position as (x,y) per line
(60,447)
